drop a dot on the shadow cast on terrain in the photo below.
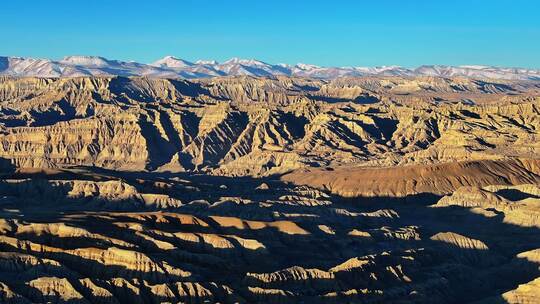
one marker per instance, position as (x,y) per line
(515,194)
(361,99)
(6,166)
(470,274)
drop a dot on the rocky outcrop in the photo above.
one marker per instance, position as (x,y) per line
(113,194)
(517,204)
(246,126)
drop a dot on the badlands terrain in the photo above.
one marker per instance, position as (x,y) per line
(275,189)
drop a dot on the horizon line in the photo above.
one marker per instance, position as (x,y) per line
(194,61)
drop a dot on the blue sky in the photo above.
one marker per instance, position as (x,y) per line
(328,33)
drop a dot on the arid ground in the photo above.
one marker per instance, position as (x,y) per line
(269,190)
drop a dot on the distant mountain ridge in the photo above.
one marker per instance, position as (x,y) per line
(173,67)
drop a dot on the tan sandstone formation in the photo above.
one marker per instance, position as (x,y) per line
(269,190)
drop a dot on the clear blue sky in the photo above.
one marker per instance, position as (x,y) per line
(328,33)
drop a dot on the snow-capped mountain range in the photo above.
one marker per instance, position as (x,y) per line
(172,67)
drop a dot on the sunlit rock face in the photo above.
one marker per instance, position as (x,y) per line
(269,190)
(247,126)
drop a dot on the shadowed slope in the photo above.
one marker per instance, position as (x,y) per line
(228,243)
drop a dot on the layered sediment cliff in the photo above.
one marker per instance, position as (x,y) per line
(269,190)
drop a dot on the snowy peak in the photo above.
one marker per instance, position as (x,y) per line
(172,62)
(247,62)
(93,61)
(307,67)
(173,67)
(206,62)
(474,71)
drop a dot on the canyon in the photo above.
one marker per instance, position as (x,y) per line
(269,189)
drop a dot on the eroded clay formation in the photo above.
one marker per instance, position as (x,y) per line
(269,190)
